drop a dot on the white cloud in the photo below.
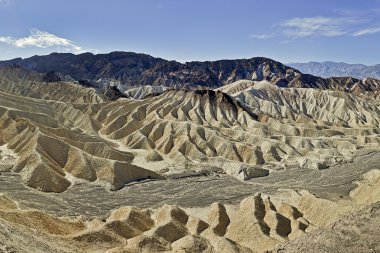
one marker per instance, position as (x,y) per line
(367,31)
(4,3)
(319,26)
(310,26)
(262,36)
(41,39)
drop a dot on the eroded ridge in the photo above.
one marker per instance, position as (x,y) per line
(246,129)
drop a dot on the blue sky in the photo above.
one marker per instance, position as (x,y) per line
(285,30)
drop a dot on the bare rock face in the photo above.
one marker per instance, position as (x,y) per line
(153,156)
(247,172)
(191,243)
(129,222)
(170,223)
(45,179)
(196,226)
(169,212)
(312,164)
(218,219)
(51,77)
(252,213)
(113,93)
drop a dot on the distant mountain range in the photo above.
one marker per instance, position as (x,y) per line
(132,69)
(124,70)
(338,69)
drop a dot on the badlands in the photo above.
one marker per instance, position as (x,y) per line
(250,166)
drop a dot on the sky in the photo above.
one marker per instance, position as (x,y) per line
(284,30)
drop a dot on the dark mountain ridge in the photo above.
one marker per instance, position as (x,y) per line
(132,69)
(128,69)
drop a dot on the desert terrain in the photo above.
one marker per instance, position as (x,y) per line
(252,165)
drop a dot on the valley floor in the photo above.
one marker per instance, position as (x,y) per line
(90,200)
